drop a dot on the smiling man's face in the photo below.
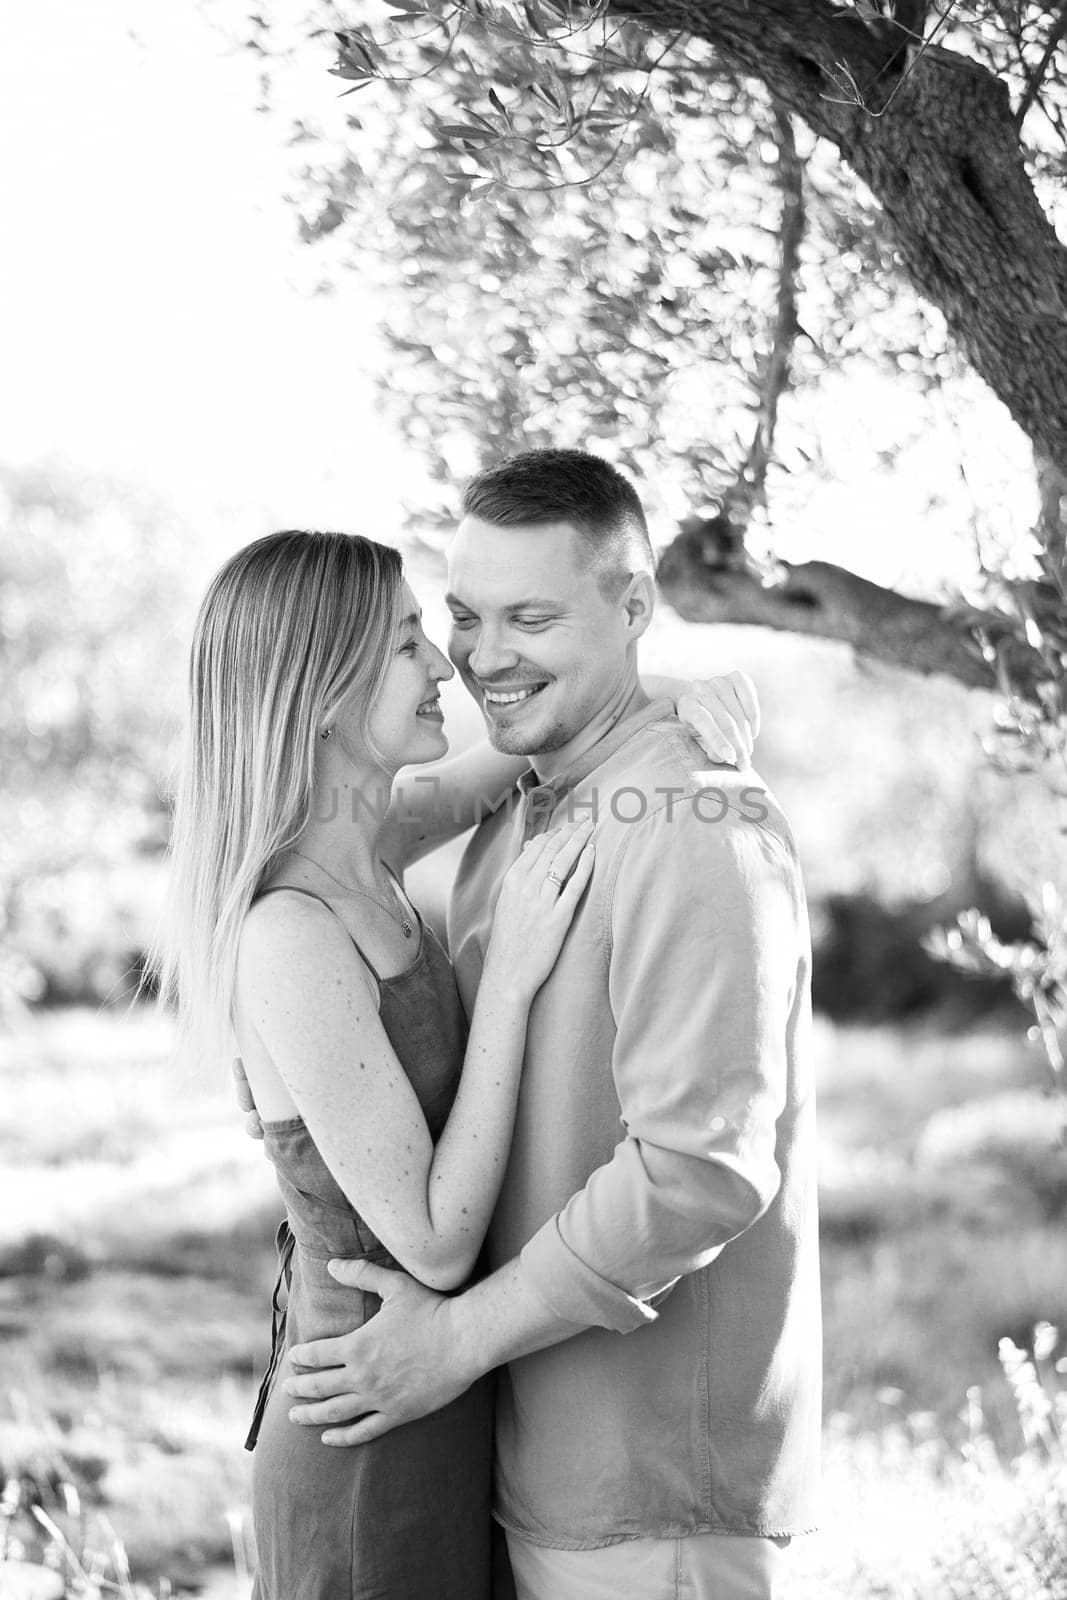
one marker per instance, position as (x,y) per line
(537,643)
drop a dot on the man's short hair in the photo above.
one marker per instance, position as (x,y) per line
(541,486)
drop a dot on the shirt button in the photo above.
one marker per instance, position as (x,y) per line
(717,1124)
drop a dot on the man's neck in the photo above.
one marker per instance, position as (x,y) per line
(628,698)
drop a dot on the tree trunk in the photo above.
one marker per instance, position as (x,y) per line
(705,584)
(932,136)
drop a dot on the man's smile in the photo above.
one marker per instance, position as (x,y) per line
(503,695)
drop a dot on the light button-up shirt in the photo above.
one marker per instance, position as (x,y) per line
(661,1181)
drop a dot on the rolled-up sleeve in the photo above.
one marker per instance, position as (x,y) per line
(703,932)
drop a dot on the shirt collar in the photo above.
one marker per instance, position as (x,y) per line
(616,736)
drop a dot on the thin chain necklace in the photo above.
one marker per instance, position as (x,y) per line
(404,920)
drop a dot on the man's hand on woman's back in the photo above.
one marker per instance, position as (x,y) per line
(253,1126)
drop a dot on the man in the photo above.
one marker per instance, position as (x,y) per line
(655,1288)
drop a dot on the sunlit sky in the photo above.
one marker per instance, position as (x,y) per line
(150,326)
(156,325)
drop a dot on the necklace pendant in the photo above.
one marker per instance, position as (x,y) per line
(408,929)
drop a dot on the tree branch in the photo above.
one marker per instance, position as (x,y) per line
(910,19)
(747,491)
(1033,86)
(704,583)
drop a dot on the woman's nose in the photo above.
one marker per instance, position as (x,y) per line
(442,667)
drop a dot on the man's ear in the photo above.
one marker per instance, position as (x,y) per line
(638,601)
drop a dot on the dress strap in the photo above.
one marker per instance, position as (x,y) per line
(291,888)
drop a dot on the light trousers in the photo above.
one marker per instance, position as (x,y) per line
(702,1566)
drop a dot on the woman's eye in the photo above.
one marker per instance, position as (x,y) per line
(410,648)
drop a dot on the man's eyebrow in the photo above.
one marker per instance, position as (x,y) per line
(534,603)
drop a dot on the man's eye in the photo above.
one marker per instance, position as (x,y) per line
(462,622)
(533,622)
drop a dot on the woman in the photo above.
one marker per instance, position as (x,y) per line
(312,683)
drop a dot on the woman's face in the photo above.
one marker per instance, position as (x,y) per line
(406,724)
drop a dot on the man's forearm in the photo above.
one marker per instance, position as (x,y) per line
(503,1317)
(419,1353)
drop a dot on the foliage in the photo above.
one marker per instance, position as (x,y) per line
(1037,967)
(928,1522)
(619,282)
(878,963)
(91,584)
(56,1540)
(1022,1548)
(615,272)
(1031,735)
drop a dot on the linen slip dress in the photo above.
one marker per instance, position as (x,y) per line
(406,1516)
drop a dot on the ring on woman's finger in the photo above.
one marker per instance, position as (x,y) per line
(554,878)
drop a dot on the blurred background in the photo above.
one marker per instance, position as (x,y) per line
(175,383)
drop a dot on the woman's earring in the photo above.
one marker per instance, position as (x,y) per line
(325,734)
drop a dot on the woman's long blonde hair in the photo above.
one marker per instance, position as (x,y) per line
(289,628)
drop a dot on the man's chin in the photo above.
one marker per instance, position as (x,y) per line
(511,741)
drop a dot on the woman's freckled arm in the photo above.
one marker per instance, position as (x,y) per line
(441,1246)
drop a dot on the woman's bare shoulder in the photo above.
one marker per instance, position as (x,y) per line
(285,925)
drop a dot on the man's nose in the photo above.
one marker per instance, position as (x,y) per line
(490,655)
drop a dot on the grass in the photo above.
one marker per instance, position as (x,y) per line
(136,1247)
(910,1517)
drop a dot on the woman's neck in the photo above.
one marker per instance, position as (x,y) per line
(345,824)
